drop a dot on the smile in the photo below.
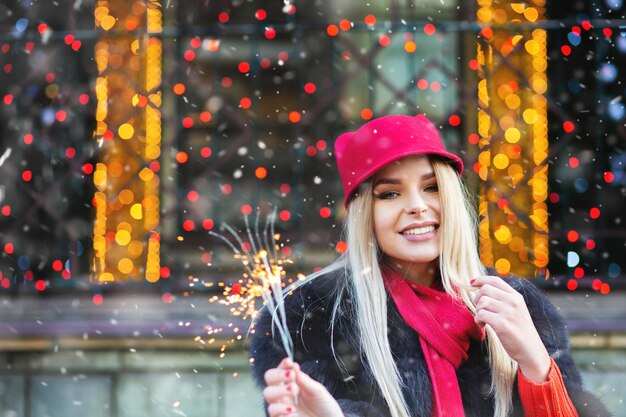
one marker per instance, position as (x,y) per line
(419,230)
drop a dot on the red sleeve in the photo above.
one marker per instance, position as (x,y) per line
(549,399)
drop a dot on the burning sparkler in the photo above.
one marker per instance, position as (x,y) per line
(263,276)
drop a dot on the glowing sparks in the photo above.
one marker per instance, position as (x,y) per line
(264,276)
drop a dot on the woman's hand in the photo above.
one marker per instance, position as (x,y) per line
(291,392)
(504,310)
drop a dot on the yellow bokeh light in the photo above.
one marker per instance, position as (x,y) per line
(135,248)
(515,40)
(501,161)
(122,237)
(152,275)
(532,47)
(125,226)
(126,131)
(106,277)
(503,266)
(503,234)
(136,211)
(499,15)
(134,47)
(150,202)
(518,7)
(484,14)
(530,116)
(107,22)
(100,176)
(125,266)
(507,122)
(126,196)
(100,11)
(539,85)
(531,14)
(512,101)
(512,135)
(146,174)
(516,172)
(504,90)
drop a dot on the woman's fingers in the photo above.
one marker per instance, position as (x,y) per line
(283,374)
(282,393)
(488,280)
(277,410)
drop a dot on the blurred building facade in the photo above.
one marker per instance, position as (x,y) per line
(129,130)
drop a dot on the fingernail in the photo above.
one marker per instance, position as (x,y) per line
(287,374)
(472,282)
(289,409)
(288,387)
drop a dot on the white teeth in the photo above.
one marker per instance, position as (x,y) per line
(419,230)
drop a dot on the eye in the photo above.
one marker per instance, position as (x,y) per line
(432,188)
(387,195)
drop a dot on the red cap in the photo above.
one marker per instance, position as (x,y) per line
(362,153)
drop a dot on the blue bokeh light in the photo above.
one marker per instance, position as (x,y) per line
(581,185)
(608,72)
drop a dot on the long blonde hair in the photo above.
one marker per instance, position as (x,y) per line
(459,262)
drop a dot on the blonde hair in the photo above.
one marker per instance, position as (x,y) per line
(458,264)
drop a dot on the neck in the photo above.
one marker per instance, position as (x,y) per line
(423,274)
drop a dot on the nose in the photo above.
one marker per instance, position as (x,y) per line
(416,205)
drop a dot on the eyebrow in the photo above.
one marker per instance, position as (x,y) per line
(396,181)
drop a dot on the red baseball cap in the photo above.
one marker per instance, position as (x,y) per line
(360,154)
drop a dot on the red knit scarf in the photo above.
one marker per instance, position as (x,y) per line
(444,326)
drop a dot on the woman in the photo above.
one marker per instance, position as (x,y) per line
(408,322)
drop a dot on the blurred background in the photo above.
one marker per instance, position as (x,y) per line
(131,129)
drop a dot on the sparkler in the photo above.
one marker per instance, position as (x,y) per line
(263,275)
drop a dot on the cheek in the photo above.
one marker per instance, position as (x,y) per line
(380,223)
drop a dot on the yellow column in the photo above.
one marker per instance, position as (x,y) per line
(513,130)
(128,130)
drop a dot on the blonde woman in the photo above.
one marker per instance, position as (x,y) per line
(408,322)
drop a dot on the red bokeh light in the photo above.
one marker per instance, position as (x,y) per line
(205,152)
(572,284)
(568,126)
(310,88)
(454,120)
(325,212)
(193,196)
(243,67)
(572,236)
(341,246)
(208,224)
(332,30)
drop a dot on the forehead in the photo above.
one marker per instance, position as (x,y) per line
(408,166)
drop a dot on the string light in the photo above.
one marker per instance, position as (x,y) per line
(128,130)
(513,138)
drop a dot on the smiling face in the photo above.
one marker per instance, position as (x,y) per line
(406,213)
